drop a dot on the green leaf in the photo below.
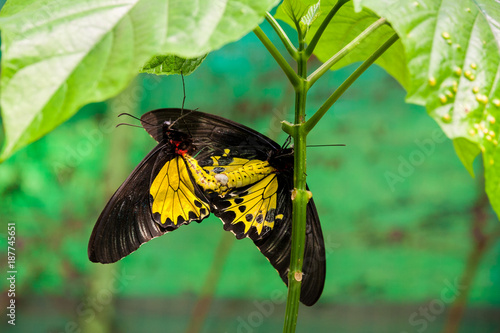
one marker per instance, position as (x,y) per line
(467,151)
(344,27)
(171,64)
(58,56)
(491,160)
(453,56)
(312,14)
(296,10)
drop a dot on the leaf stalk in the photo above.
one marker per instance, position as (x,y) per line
(309,125)
(282,35)
(314,41)
(344,51)
(287,69)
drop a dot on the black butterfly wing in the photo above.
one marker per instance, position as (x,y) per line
(314,267)
(277,248)
(127,221)
(211,134)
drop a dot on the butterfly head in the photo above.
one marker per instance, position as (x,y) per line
(181,142)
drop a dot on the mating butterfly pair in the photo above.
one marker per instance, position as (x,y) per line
(204,163)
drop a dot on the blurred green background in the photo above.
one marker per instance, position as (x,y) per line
(400,216)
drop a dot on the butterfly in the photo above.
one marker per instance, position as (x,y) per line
(206,164)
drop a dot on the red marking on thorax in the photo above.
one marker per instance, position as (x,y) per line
(178,150)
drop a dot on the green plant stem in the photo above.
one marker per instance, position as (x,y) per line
(282,35)
(299,131)
(345,50)
(300,196)
(287,69)
(314,41)
(309,125)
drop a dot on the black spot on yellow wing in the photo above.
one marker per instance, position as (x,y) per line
(218,169)
(253,207)
(174,197)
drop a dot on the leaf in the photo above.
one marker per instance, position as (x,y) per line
(296,10)
(453,57)
(171,64)
(491,159)
(312,14)
(58,56)
(344,27)
(467,151)
(491,11)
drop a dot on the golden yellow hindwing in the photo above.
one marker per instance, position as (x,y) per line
(257,205)
(174,196)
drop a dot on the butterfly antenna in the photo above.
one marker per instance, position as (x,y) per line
(287,142)
(183,115)
(184,92)
(132,116)
(183,101)
(128,114)
(123,124)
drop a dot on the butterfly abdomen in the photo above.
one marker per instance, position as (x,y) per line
(251,172)
(220,179)
(204,179)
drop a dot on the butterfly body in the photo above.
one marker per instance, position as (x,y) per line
(207,164)
(223,178)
